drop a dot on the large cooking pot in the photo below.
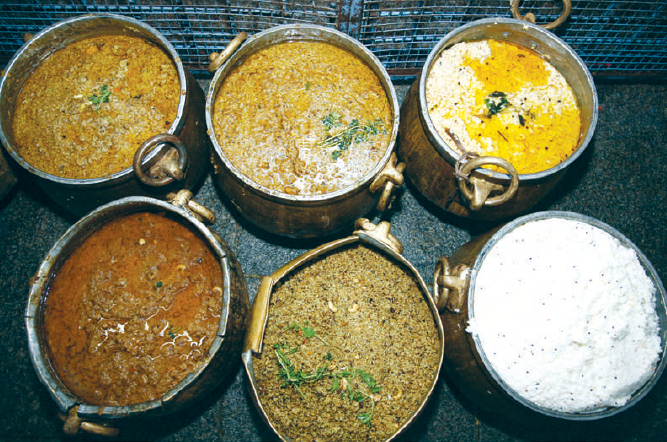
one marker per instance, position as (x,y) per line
(473,191)
(378,239)
(301,215)
(467,362)
(167,162)
(215,365)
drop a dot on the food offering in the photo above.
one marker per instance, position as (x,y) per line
(139,309)
(303,118)
(496,98)
(351,347)
(99,107)
(501,110)
(566,315)
(133,310)
(88,107)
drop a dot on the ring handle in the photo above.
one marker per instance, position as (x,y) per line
(217,59)
(170,168)
(390,177)
(73,423)
(479,195)
(449,285)
(530,17)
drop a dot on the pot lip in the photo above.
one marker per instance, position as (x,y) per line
(296,264)
(165,45)
(447,152)
(299,32)
(661,303)
(72,238)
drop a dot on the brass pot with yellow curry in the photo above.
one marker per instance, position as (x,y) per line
(99,107)
(501,110)
(138,310)
(303,121)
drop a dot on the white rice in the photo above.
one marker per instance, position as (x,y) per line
(566,316)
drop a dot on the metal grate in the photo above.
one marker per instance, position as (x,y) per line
(619,39)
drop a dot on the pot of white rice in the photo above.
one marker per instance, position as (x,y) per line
(554,313)
(500,111)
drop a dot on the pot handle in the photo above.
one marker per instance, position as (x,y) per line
(184,199)
(390,177)
(378,232)
(73,423)
(450,286)
(479,195)
(217,59)
(258,316)
(169,168)
(530,17)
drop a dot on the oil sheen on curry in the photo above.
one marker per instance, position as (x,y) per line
(495,98)
(86,109)
(133,310)
(303,118)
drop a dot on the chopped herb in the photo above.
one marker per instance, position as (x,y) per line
(354,133)
(290,376)
(307,85)
(173,331)
(103,98)
(158,284)
(496,102)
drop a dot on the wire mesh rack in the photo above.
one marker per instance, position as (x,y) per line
(616,39)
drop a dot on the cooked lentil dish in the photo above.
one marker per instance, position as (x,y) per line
(495,98)
(133,310)
(303,118)
(86,109)
(350,349)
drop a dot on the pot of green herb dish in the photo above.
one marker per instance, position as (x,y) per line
(344,342)
(303,121)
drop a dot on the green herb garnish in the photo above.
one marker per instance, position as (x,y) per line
(173,331)
(354,133)
(158,284)
(496,102)
(290,376)
(103,98)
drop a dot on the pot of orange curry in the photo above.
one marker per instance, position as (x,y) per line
(138,310)
(501,110)
(303,120)
(99,107)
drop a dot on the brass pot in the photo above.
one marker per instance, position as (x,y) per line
(374,237)
(302,216)
(431,163)
(178,159)
(466,362)
(221,358)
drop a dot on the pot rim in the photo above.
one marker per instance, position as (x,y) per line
(660,297)
(539,33)
(302,32)
(295,265)
(48,268)
(123,22)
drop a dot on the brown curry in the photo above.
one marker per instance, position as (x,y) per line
(133,310)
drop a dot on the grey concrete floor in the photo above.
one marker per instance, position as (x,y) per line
(620,180)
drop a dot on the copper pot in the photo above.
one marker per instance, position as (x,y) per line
(302,216)
(465,360)
(488,195)
(178,159)
(221,358)
(375,237)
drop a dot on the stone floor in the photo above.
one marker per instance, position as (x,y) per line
(621,180)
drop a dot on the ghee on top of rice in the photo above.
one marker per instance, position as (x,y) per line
(495,98)
(566,316)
